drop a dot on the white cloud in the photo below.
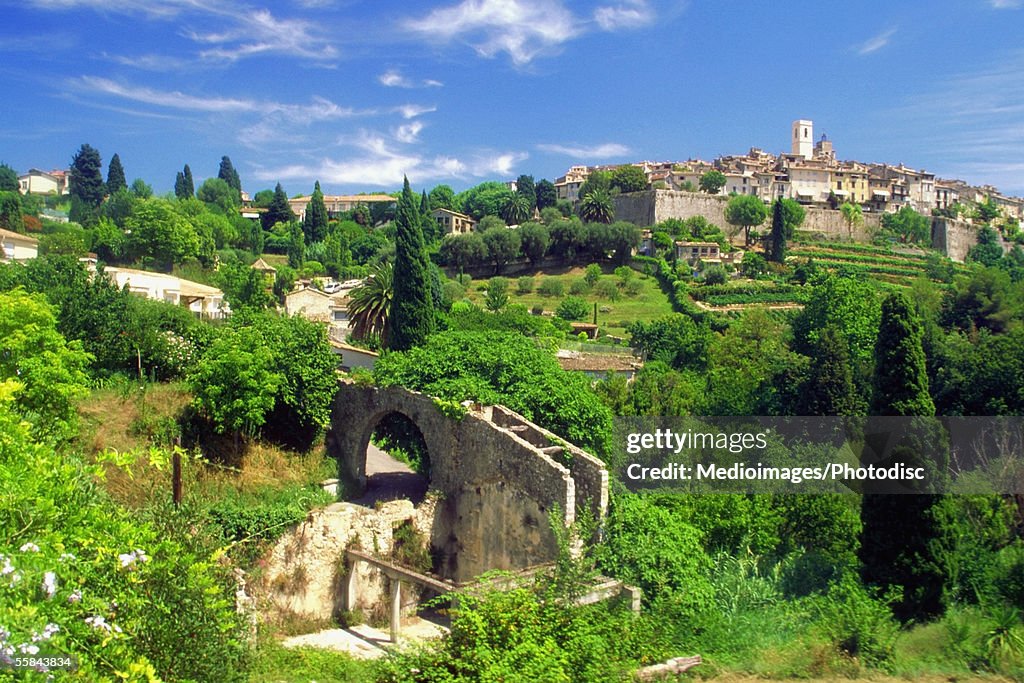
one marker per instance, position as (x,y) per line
(411,111)
(234,30)
(629,15)
(393,78)
(172,99)
(1006,4)
(877,42)
(602,151)
(522,28)
(150,62)
(376,163)
(409,132)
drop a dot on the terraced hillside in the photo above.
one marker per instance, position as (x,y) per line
(896,265)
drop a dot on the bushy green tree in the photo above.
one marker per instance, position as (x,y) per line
(528,189)
(10,212)
(572,308)
(296,245)
(497,294)
(712,182)
(908,226)
(746,211)
(160,234)
(442,197)
(412,312)
(115,176)
(535,240)
(218,193)
(8,179)
(675,339)
(464,250)
(629,179)
(503,246)
(50,372)
(547,194)
(506,368)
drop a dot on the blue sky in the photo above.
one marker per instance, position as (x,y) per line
(356,94)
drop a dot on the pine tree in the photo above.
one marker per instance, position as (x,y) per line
(279,210)
(777,238)
(314,224)
(228,174)
(412,310)
(190,185)
(899,532)
(8,179)
(115,175)
(86,184)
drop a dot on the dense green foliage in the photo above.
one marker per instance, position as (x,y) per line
(496,367)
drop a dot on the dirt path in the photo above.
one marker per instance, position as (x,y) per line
(389,479)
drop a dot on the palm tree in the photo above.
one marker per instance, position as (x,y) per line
(853,214)
(516,209)
(369,306)
(596,207)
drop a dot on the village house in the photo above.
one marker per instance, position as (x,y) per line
(568,186)
(17,247)
(43,182)
(339,204)
(319,306)
(453,222)
(204,301)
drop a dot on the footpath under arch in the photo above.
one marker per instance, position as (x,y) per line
(498,477)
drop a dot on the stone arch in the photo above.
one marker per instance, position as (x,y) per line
(497,477)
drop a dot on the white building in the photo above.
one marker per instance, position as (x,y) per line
(42,182)
(803,139)
(17,247)
(202,300)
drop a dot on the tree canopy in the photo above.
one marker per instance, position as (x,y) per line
(115,176)
(746,211)
(712,182)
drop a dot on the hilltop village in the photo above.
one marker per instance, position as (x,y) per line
(386,436)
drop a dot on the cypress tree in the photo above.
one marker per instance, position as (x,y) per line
(412,310)
(86,184)
(900,531)
(8,179)
(279,210)
(777,238)
(228,174)
(526,187)
(115,175)
(190,186)
(296,246)
(179,186)
(426,220)
(829,388)
(314,224)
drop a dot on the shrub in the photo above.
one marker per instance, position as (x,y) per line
(524,285)
(579,288)
(551,287)
(857,624)
(606,289)
(634,287)
(592,274)
(537,309)
(715,275)
(572,308)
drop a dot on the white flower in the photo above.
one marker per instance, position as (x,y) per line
(76,596)
(8,567)
(49,584)
(64,557)
(127,559)
(49,630)
(98,622)
(141,555)
(29,548)
(4,635)
(28,649)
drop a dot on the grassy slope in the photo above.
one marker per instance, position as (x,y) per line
(650,303)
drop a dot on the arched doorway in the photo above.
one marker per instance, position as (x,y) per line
(397,460)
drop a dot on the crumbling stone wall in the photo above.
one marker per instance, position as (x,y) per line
(497,478)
